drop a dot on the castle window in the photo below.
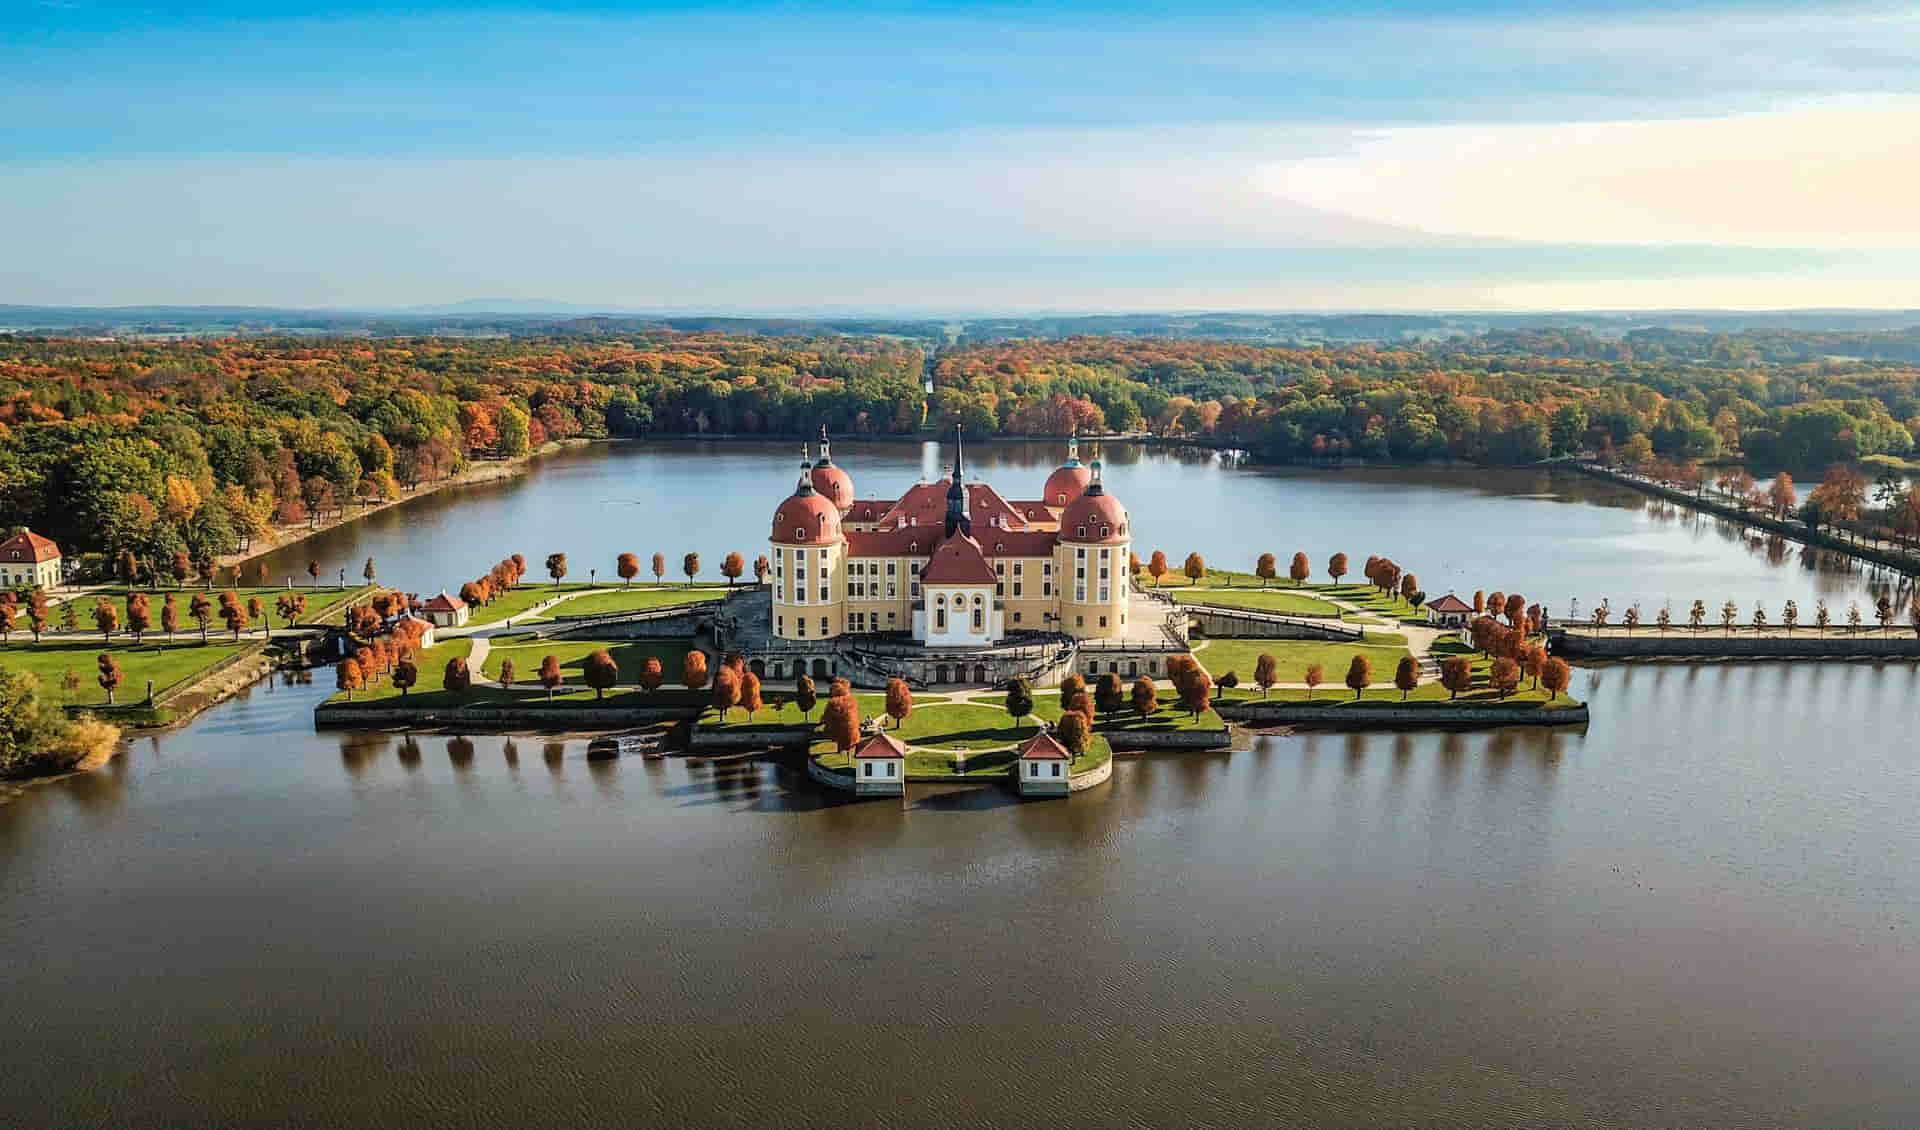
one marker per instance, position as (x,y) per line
(978,617)
(823,625)
(780,625)
(1079,621)
(1080,531)
(799,533)
(939,619)
(1106,531)
(1103,621)
(1016,588)
(1016,617)
(826,594)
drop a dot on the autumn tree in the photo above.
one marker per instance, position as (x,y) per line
(841,721)
(725,693)
(1359,675)
(106,618)
(731,566)
(139,615)
(1456,674)
(367,571)
(1504,676)
(457,678)
(1299,569)
(405,674)
(1555,675)
(1266,672)
(1195,690)
(750,699)
(550,674)
(313,573)
(627,566)
(1073,732)
(805,696)
(1195,568)
(693,670)
(110,674)
(690,565)
(1157,567)
(1337,567)
(1110,694)
(348,677)
(652,674)
(507,673)
(761,567)
(1265,568)
(556,567)
(37,612)
(1019,699)
(201,610)
(1406,676)
(659,568)
(1146,696)
(601,672)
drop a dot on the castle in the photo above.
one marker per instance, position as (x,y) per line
(952,582)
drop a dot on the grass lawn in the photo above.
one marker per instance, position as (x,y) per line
(1373,600)
(320,601)
(1169,716)
(632,600)
(573,694)
(164,663)
(1382,649)
(1267,600)
(616,596)
(1426,694)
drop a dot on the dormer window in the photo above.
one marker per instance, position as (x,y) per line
(1082,532)
(799,533)
(1106,531)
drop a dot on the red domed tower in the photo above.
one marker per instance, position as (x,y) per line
(833,483)
(1091,562)
(1069,480)
(808,552)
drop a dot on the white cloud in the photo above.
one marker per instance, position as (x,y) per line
(1831,175)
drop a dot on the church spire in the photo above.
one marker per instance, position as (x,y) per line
(957,516)
(806,477)
(826,458)
(1094,486)
(1073,448)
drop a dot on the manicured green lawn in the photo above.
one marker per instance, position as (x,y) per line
(1168,716)
(1295,656)
(320,602)
(1429,693)
(516,601)
(164,663)
(573,693)
(633,600)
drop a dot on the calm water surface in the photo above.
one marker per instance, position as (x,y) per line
(1704,910)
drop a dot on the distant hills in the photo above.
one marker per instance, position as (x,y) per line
(518,317)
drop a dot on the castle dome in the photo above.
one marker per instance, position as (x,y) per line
(806,517)
(1095,518)
(832,483)
(1068,482)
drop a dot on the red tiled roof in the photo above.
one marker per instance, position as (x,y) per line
(926,504)
(1044,747)
(28,546)
(1066,484)
(1449,603)
(806,519)
(1086,517)
(1017,543)
(443,603)
(868,509)
(958,561)
(905,541)
(880,745)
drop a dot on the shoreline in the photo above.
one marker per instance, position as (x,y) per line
(489,471)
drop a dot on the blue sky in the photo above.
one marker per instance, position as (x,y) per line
(961,157)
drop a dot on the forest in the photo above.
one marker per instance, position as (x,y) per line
(164,455)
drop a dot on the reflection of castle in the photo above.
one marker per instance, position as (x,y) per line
(957,567)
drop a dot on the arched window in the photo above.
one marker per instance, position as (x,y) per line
(979,618)
(799,533)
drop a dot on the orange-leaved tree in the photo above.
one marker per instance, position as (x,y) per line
(457,677)
(652,674)
(1299,569)
(109,675)
(841,721)
(750,700)
(405,674)
(550,676)
(601,673)
(347,676)
(1406,676)
(690,565)
(1456,674)
(1146,696)
(627,566)
(726,690)
(693,670)
(1504,676)
(1073,731)
(1555,675)
(1359,675)
(1195,567)
(899,701)
(1266,672)
(731,566)
(1265,568)
(1337,567)
(1157,567)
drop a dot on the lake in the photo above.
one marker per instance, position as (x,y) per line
(1701,911)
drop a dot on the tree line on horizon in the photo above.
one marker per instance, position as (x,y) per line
(161,453)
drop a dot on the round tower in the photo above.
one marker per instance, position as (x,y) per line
(832,483)
(808,552)
(1069,480)
(1096,538)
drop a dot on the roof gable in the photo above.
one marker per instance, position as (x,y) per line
(1044,747)
(880,744)
(958,561)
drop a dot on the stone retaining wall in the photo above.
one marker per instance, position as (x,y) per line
(1173,739)
(682,626)
(1225,623)
(1651,645)
(1388,715)
(1097,775)
(784,737)
(840,781)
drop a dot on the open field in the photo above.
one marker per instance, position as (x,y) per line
(164,663)
(1295,656)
